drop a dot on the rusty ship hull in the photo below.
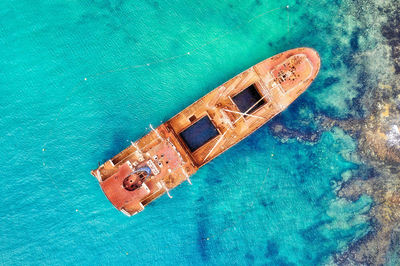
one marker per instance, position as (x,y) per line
(171,153)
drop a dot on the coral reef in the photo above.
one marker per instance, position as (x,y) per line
(285,133)
(374,122)
(379,149)
(378,136)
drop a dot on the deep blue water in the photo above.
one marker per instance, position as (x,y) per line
(76,88)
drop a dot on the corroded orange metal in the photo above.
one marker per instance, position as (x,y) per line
(279,80)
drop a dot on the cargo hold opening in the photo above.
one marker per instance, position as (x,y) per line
(248,97)
(199,133)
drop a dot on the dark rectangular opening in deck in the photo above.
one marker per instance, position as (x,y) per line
(199,133)
(247,98)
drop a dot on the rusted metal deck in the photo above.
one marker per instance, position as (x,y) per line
(232,111)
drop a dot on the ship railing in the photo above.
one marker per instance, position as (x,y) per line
(166,189)
(186,175)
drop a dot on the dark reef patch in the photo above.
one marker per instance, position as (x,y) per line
(265,204)
(329,81)
(272,249)
(312,234)
(202,233)
(249,258)
(278,129)
(391,31)
(354,45)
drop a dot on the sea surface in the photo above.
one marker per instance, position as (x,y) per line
(80,79)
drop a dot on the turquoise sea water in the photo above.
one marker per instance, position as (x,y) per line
(265,201)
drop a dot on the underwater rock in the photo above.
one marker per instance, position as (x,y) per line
(378,135)
(284,133)
(377,132)
(391,32)
(379,148)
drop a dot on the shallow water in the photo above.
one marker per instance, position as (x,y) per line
(76,89)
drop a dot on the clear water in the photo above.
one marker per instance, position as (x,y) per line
(264,201)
